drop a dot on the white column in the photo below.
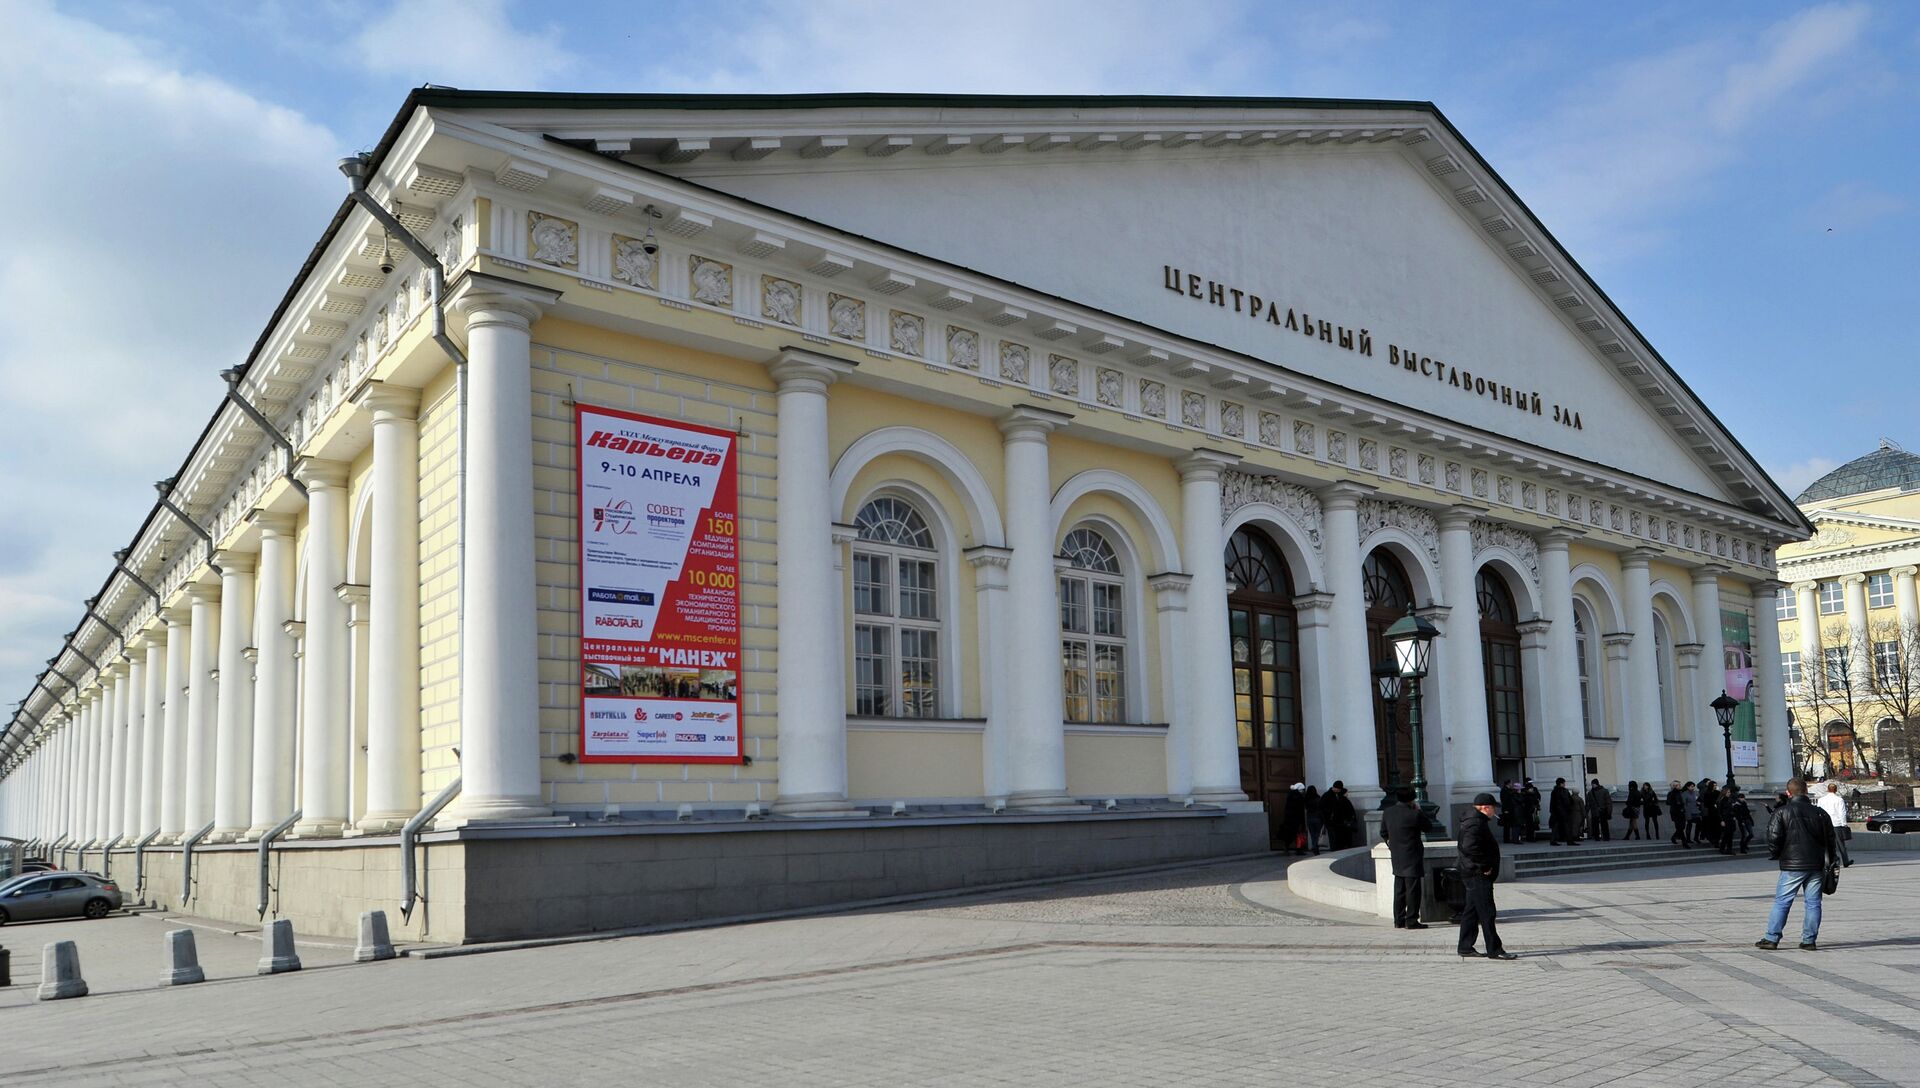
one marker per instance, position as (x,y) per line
(1208,649)
(355,598)
(1707,754)
(811,710)
(1853,588)
(1036,734)
(1536,684)
(203,696)
(1170,591)
(233,726)
(1647,759)
(116,754)
(153,742)
(93,734)
(1907,604)
(499,650)
(990,612)
(1691,683)
(274,712)
(1469,747)
(1564,736)
(1346,721)
(393,683)
(1616,648)
(135,781)
(323,748)
(1807,598)
(1769,689)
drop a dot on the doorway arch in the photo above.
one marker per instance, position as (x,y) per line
(1500,657)
(1265,639)
(1389,593)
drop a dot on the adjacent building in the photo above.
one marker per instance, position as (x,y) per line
(734,503)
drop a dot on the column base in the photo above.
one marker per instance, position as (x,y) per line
(490,809)
(817,806)
(1042,801)
(224,834)
(318,829)
(1216,795)
(256,832)
(382,823)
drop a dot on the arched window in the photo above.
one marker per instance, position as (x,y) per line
(1891,752)
(896,626)
(1093,629)
(1663,674)
(1593,717)
(1842,751)
(1384,582)
(1500,656)
(1254,566)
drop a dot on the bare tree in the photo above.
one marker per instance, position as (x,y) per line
(1836,688)
(1896,680)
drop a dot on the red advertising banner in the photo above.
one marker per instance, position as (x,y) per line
(659,590)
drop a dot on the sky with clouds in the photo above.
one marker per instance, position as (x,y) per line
(1738,177)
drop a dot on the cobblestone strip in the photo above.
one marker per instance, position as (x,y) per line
(1814,1059)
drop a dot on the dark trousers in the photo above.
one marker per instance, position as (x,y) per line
(1653,823)
(1406,899)
(1478,916)
(1599,827)
(1840,836)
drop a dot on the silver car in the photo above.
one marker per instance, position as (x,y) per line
(57,895)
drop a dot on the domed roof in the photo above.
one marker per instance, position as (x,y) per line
(1888,466)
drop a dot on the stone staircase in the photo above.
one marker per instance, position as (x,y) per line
(1533,862)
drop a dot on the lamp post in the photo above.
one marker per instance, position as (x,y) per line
(1412,640)
(1723,709)
(1386,678)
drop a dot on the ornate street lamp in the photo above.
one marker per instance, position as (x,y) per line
(1412,640)
(1386,677)
(1723,709)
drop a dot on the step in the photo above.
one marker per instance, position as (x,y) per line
(1663,863)
(1525,865)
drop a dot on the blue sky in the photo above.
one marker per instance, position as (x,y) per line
(1738,177)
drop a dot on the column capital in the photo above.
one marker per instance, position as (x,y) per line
(1638,558)
(235,562)
(1557,538)
(204,594)
(295,628)
(272,524)
(351,594)
(1533,633)
(117,670)
(1904,572)
(1343,495)
(1458,516)
(1854,579)
(137,641)
(1617,643)
(1708,572)
(1028,422)
(494,300)
(807,371)
(843,533)
(319,474)
(1171,587)
(1313,610)
(1687,654)
(176,615)
(989,566)
(1205,464)
(388,402)
(1767,587)
(1805,587)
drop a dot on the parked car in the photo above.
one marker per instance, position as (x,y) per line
(1894,819)
(37,896)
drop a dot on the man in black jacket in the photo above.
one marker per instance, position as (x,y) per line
(1559,808)
(1801,838)
(1479,866)
(1600,812)
(1403,828)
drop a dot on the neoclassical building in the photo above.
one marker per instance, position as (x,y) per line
(743,502)
(1850,626)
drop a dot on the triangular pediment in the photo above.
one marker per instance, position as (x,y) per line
(1357,226)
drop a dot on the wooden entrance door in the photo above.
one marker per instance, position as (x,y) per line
(1266,674)
(1500,655)
(1388,593)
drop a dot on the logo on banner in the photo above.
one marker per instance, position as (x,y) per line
(615,518)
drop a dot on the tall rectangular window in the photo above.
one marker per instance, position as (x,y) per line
(1790,667)
(1788,604)
(1834,666)
(1886,665)
(1832,601)
(1880,590)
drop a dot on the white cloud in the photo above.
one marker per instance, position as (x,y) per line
(1851,205)
(1645,135)
(462,43)
(1795,477)
(157,215)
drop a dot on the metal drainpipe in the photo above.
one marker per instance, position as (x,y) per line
(411,832)
(140,865)
(186,863)
(165,488)
(266,856)
(232,377)
(355,168)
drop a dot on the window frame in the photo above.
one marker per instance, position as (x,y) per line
(1787,606)
(1790,668)
(1886,663)
(1121,585)
(1832,603)
(1880,590)
(899,630)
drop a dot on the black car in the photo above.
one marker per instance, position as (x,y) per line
(1894,819)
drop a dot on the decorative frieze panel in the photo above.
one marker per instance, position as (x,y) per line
(1108,387)
(1303,442)
(1369,451)
(846,317)
(1016,362)
(1270,429)
(712,281)
(907,333)
(1427,464)
(963,348)
(1488,535)
(1378,514)
(1153,398)
(780,300)
(1233,419)
(1193,409)
(633,265)
(1297,504)
(1397,463)
(1063,375)
(1337,446)
(553,240)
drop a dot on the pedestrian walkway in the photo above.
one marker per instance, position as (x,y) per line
(1207,973)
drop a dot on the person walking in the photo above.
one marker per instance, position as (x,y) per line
(1709,829)
(1338,812)
(1690,804)
(1293,819)
(1316,819)
(1800,837)
(1632,809)
(1479,868)
(1559,811)
(1726,822)
(1677,812)
(1599,812)
(1650,808)
(1530,805)
(1835,807)
(1403,828)
(1743,818)
(1510,813)
(1576,815)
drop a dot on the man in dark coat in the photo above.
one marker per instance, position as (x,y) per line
(1479,867)
(1559,808)
(1600,812)
(1677,812)
(1340,818)
(1510,813)
(1403,828)
(1530,802)
(1801,838)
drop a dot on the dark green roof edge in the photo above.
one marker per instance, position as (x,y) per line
(531,100)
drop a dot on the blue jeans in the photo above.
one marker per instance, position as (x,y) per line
(1791,885)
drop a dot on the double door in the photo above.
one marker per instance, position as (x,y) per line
(1266,686)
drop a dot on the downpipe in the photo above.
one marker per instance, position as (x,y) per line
(408,835)
(186,862)
(140,865)
(266,847)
